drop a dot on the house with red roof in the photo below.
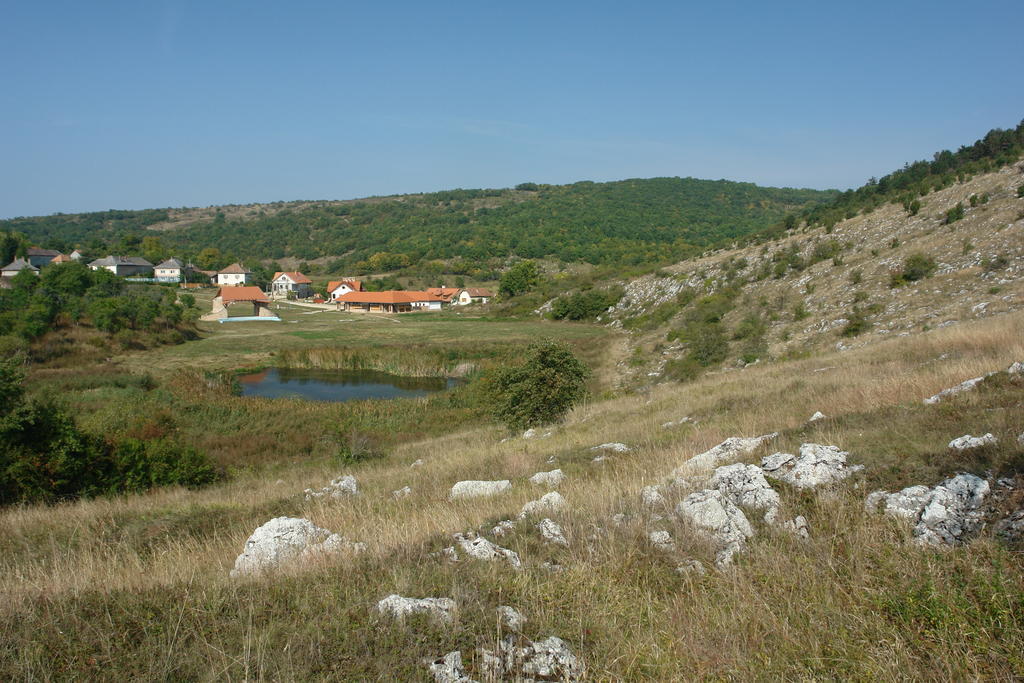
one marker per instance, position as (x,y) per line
(338,288)
(226,296)
(234,275)
(473,295)
(291,285)
(388,302)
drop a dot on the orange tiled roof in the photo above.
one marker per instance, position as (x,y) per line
(233,294)
(235,269)
(296,277)
(354,284)
(61,258)
(389,297)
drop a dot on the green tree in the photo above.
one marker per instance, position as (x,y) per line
(541,389)
(519,279)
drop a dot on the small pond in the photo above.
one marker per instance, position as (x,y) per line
(338,385)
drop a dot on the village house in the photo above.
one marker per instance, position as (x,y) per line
(171,270)
(76,255)
(41,257)
(16,266)
(234,275)
(291,284)
(123,266)
(61,258)
(226,296)
(338,288)
(388,302)
(446,294)
(473,295)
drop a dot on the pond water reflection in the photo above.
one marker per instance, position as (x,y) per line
(338,385)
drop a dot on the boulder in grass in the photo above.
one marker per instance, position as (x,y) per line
(287,540)
(551,532)
(614,446)
(816,466)
(730,450)
(944,515)
(479,489)
(398,607)
(550,479)
(342,487)
(479,548)
(549,502)
(968,442)
(712,513)
(746,486)
(449,669)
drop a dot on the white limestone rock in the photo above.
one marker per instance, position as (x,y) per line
(342,487)
(530,433)
(398,607)
(798,527)
(549,502)
(551,532)
(613,446)
(662,540)
(449,669)
(651,496)
(402,492)
(510,619)
(692,567)
(818,415)
(479,548)
(730,450)
(418,463)
(947,514)
(550,479)
(968,442)
(1011,529)
(503,527)
(1020,439)
(287,540)
(816,466)
(546,660)
(746,486)
(717,516)
(478,489)
(966,385)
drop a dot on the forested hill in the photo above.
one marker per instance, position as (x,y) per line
(630,222)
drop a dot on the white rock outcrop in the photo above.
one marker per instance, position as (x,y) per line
(550,479)
(711,512)
(692,567)
(478,489)
(730,450)
(503,527)
(613,446)
(816,466)
(402,492)
(651,496)
(798,527)
(287,540)
(1016,368)
(398,607)
(479,548)
(662,540)
(510,619)
(746,486)
(968,442)
(342,487)
(551,532)
(545,660)
(549,502)
(818,415)
(947,514)
(449,669)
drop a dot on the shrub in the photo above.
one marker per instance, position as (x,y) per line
(915,267)
(955,214)
(585,305)
(540,390)
(1020,191)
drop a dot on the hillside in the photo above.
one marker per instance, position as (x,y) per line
(825,287)
(632,221)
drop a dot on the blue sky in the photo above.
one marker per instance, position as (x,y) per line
(155,104)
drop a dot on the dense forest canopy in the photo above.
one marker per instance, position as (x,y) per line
(631,222)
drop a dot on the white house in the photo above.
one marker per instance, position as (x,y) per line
(16,266)
(234,275)
(287,282)
(171,270)
(473,295)
(76,255)
(123,266)
(339,288)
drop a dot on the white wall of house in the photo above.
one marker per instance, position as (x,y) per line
(341,291)
(168,274)
(233,279)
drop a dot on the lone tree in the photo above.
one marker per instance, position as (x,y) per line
(519,279)
(541,389)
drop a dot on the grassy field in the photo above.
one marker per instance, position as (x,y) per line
(137,586)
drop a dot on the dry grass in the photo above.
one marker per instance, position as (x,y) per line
(138,584)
